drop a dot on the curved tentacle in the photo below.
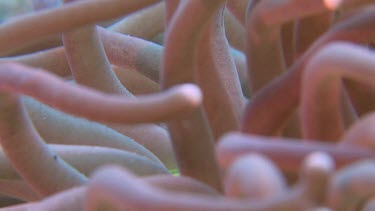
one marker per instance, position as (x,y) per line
(191,136)
(260,118)
(320,104)
(111,108)
(216,75)
(145,24)
(43,170)
(286,153)
(352,186)
(61,19)
(137,195)
(90,66)
(60,128)
(360,133)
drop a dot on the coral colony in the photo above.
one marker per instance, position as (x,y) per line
(188,105)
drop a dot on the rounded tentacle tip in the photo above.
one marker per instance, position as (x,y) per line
(319,162)
(332,4)
(192,93)
(317,170)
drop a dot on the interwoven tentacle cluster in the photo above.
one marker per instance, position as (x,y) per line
(260,105)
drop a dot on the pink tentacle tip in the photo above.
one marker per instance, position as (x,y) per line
(192,93)
(332,4)
(319,162)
